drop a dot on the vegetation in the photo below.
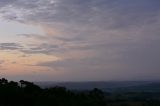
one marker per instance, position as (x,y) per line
(25,93)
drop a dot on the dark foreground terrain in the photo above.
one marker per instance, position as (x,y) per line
(24,93)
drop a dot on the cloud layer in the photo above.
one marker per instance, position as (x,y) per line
(103,39)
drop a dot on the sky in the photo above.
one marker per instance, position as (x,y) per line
(80,40)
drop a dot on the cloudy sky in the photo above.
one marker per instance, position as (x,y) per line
(80,40)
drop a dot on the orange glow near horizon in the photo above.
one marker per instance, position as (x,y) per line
(16,63)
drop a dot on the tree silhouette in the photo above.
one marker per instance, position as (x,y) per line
(27,93)
(3,81)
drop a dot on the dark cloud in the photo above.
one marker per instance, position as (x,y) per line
(42,49)
(31,49)
(102,13)
(10,46)
(6,2)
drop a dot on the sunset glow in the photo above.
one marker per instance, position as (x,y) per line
(80,40)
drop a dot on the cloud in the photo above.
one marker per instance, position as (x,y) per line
(30,49)
(10,46)
(2,61)
(120,36)
(102,13)
(41,49)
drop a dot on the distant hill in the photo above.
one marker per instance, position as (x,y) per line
(148,87)
(123,86)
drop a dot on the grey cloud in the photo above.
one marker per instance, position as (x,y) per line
(10,46)
(32,36)
(69,39)
(31,49)
(102,13)
(42,49)
(24,56)
(6,2)
(124,33)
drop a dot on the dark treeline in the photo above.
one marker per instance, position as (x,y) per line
(24,93)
